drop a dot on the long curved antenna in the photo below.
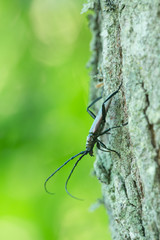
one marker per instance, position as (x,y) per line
(45,186)
(66,184)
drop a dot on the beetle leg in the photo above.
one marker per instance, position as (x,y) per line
(99,147)
(103,106)
(108,149)
(107,130)
(89,111)
(104,112)
(110,96)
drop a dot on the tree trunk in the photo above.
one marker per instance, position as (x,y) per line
(126,48)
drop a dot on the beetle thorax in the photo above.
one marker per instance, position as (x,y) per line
(91,140)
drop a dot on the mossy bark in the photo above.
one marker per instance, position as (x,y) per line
(126,48)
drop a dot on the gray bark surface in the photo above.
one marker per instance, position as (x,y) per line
(126,48)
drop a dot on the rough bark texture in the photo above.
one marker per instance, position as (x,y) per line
(126,48)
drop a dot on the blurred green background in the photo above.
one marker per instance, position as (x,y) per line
(44,47)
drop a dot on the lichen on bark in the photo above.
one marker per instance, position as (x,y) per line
(126,48)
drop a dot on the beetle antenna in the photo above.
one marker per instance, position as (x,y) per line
(66,184)
(45,183)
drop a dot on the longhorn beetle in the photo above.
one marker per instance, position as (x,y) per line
(95,131)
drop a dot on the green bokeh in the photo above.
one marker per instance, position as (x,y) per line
(44,46)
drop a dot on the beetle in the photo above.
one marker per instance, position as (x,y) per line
(95,131)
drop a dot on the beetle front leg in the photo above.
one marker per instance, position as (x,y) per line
(108,149)
(99,147)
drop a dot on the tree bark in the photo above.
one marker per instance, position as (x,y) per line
(126,48)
